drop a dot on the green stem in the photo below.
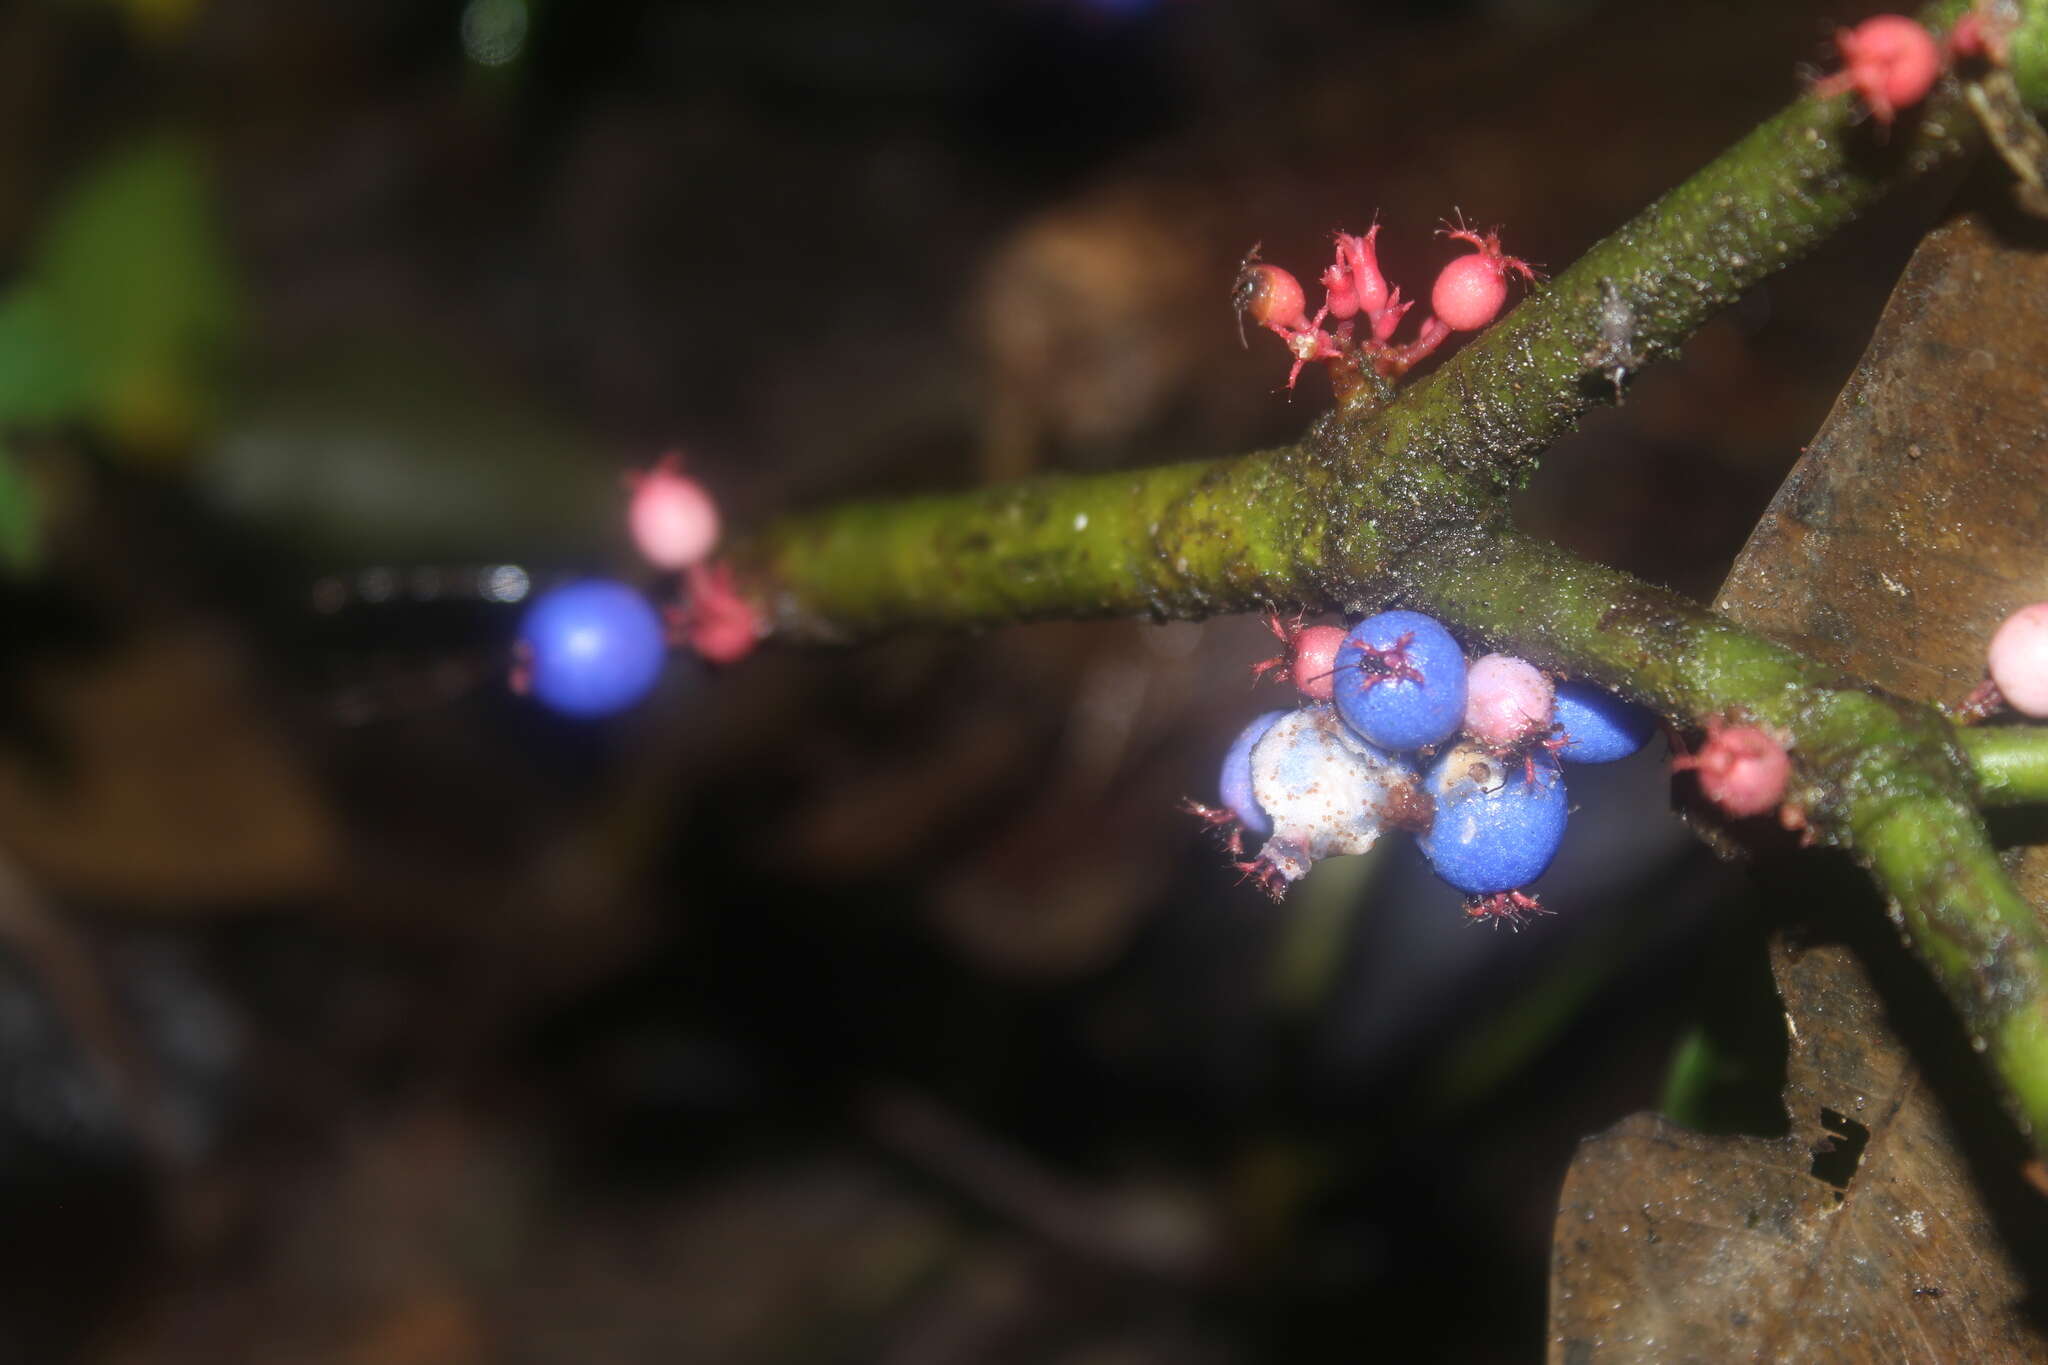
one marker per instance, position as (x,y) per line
(1318,522)
(1185,540)
(1973,930)
(1763,204)
(1875,774)
(2010,761)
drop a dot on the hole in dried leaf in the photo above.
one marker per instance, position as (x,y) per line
(1836,1158)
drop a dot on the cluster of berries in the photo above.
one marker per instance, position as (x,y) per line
(1468,294)
(1400,731)
(1889,62)
(597,645)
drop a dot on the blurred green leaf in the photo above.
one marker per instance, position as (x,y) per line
(1727,1072)
(21,505)
(42,378)
(127,306)
(385,448)
(1311,950)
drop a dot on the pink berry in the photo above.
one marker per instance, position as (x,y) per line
(1469,293)
(719,624)
(1313,665)
(1741,768)
(1507,701)
(1308,658)
(1270,297)
(673,520)
(2018,659)
(1471,290)
(1982,35)
(1889,60)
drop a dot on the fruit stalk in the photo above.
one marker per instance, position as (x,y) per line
(2010,762)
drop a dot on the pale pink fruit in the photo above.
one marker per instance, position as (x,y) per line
(673,520)
(1741,768)
(1507,701)
(1313,664)
(1470,291)
(2018,659)
(1888,60)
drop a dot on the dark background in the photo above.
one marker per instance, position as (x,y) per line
(868,1005)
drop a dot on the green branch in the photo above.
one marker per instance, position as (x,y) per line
(1877,775)
(1322,521)
(1186,540)
(2010,762)
(1408,503)
(1763,204)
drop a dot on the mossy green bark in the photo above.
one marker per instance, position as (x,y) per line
(1302,524)
(1323,520)
(1882,777)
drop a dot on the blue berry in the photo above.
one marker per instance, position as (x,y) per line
(591,648)
(1326,792)
(1599,727)
(1236,784)
(1400,681)
(1495,829)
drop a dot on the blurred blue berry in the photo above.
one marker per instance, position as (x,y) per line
(1326,792)
(1236,785)
(1599,727)
(1495,830)
(591,648)
(1400,681)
